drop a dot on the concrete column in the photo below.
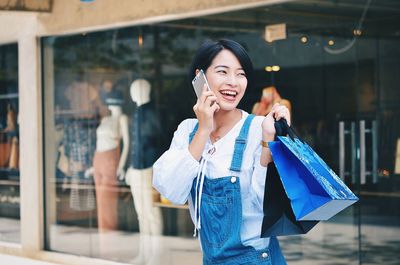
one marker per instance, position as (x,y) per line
(50,135)
(30,118)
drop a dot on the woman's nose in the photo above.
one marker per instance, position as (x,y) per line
(232,80)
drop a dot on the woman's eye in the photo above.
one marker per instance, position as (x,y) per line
(242,74)
(221,71)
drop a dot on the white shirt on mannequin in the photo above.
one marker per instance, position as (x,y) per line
(109,133)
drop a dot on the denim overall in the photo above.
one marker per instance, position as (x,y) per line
(221,212)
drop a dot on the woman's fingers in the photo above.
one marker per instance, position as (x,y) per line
(196,106)
(210,101)
(274,107)
(205,95)
(207,98)
(215,108)
(281,111)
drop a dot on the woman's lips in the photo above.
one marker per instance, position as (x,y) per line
(229,95)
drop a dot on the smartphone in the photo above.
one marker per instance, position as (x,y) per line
(198,83)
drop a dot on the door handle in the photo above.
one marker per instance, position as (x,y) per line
(353,152)
(374,132)
(363,171)
(341,150)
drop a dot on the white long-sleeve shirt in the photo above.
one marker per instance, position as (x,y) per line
(175,170)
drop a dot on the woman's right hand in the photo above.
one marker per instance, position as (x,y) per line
(205,108)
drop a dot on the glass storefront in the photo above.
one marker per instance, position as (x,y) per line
(113,99)
(9,145)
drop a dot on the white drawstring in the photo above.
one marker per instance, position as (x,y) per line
(197,202)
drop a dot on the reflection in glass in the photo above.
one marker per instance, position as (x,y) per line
(102,120)
(145,131)
(323,89)
(9,145)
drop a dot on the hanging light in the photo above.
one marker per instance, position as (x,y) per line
(140,40)
(304,39)
(276,68)
(273,68)
(357,32)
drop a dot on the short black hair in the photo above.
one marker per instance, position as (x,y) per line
(209,49)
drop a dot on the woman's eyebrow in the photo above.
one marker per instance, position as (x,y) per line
(224,66)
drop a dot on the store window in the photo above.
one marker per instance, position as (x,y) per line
(108,116)
(9,145)
(114,98)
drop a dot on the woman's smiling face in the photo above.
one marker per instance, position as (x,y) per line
(227,79)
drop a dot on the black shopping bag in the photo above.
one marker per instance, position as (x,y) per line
(279,219)
(315,191)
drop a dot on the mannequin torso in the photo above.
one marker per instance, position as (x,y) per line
(109,133)
(145,127)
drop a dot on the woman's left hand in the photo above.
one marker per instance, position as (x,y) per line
(277,112)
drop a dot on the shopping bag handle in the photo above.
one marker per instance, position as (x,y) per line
(283,129)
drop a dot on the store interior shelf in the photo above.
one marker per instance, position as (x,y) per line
(167,205)
(9,96)
(9,174)
(9,182)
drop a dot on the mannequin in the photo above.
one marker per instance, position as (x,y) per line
(145,132)
(269,97)
(108,164)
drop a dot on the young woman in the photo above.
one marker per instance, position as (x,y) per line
(218,161)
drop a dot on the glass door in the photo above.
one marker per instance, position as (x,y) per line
(324,99)
(378,159)
(339,67)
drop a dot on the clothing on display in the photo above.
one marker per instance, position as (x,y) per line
(14,153)
(108,134)
(150,219)
(108,161)
(82,194)
(9,143)
(63,163)
(270,96)
(83,99)
(145,128)
(5,149)
(79,143)
(145,134)
(11,120)
(105,174)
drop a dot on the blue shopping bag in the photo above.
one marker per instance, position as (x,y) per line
(279,219)
(315,192)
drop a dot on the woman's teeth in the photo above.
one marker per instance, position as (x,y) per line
(229,93)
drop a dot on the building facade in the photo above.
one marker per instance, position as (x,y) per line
(65,73)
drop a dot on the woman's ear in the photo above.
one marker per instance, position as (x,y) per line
(197,71)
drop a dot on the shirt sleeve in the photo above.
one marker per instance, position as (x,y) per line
(175,170)
(259,171)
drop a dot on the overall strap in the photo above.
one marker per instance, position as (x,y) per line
(191,135)
(240,144)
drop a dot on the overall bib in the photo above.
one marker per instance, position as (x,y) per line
(221,212)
